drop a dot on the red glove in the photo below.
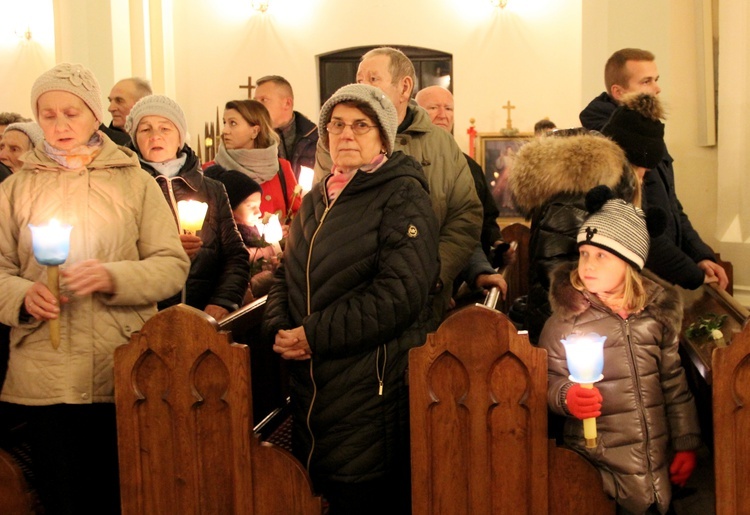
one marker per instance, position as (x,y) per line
(584,403)
(682,466)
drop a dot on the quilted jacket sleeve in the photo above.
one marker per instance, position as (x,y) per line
(163,266)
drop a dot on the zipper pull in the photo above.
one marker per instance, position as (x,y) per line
(380,388)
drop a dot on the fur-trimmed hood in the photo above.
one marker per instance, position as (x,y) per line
(664,303)
(549,166)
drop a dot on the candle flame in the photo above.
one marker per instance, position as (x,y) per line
(272,231)
(306,176)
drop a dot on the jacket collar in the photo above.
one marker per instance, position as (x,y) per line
(190,173)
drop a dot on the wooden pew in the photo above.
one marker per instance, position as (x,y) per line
(696,352)
(731,421)
(516,274)
(479,426)
(184,423)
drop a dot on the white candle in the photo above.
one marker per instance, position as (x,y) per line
(272,232)
(191,213)
(306,178)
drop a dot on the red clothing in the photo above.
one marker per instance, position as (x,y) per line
(273,198)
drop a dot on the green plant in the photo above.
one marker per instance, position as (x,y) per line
(708,325)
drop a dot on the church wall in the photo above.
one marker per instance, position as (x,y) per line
(545,56)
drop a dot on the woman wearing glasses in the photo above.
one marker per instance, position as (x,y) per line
(351,299)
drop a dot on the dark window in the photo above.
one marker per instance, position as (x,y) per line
(340,68)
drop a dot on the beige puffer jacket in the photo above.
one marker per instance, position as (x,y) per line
(647,408)
(452,193)
(119,217)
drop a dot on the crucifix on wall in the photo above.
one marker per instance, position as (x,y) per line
(509,124)
(249,87)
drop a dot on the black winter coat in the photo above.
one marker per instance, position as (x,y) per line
(356,276)
(306,141)
(220,271)
(674,254)
(549,182)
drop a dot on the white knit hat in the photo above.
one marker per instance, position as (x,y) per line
(156,105)
(370,95)
(31,129)
(619,228)
(73,78)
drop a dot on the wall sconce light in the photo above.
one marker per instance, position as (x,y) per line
(23,33)
(260,5)
(499,3)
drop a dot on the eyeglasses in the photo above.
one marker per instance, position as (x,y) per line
(358,128)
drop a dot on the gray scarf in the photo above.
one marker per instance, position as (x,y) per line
(260,164)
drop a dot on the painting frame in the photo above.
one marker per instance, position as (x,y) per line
(495,152)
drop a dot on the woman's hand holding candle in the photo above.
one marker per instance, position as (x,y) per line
(583,402)
(40,303)
(191,243)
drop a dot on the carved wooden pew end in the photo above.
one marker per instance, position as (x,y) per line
(184,417)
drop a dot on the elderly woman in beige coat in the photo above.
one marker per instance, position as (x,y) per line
(124,257)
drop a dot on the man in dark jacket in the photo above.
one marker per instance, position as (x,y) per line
(679,255)
(122,98)
(299,135)
(478,272)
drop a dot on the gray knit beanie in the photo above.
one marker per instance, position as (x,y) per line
(370,95)
(618,227)
(156,105)
(73,78)
(31,129)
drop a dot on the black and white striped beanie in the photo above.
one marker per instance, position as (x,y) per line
(620,228)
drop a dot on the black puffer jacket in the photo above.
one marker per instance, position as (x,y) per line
(220,271)
(549,182)
(356,276)
(647,407)
(674,254)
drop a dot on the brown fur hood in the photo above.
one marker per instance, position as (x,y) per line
(664,303)
(548,166)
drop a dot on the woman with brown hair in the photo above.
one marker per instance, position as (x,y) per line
(250,145)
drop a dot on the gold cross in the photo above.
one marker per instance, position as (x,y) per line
(509,123)
(249,87)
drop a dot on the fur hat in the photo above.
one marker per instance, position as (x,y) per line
(31,129)
(635,126)
(156,105)
(238,185)
(615,226)
(546,167)
(73,78)
(370,95)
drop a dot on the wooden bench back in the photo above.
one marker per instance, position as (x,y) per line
(184,423)
(478,401)
(517,273)
(731,422)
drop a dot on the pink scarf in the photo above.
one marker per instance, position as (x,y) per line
(340,178)
(77,157)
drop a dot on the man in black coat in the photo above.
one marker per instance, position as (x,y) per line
(299,135)
(679,255)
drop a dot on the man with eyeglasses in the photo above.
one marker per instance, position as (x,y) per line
(478,272)
(452,192)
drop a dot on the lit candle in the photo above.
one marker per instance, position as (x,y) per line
(272,232)
(585,357)
(306,178)
(191,213)
(51,245)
